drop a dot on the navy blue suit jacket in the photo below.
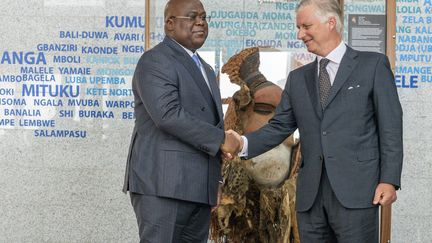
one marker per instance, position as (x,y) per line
(358,135)
(174,151)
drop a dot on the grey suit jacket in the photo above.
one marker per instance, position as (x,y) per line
(358,135)
(174,150)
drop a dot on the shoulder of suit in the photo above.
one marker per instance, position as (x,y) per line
(160,51)
(163,48)
(365,53)
(155,57)
(305,67)
(369,55)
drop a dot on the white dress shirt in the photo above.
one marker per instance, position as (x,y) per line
(335,58)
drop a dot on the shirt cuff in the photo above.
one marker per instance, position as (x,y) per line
(244,151)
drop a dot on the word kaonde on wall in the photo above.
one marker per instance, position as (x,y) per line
(77,74)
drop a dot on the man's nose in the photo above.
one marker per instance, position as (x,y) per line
(199,21)
(300,34)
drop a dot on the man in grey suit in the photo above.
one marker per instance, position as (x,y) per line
(346,107)
(174,166)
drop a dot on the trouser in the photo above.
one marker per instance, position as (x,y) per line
(328,221)
(170,220)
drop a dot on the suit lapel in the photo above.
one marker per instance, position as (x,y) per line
(312,86)
(347,65)
(184,58)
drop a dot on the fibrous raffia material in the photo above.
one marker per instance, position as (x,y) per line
(247,211)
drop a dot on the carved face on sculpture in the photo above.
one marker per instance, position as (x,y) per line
(255,105)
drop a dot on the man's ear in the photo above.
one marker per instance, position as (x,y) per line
(169,24)
(332,22)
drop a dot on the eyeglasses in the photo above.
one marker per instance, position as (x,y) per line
(193,18)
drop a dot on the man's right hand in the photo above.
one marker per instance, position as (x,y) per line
(232,145)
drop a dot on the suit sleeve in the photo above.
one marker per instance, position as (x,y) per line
(388,112)
(157,86)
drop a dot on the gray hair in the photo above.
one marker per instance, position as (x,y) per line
(324,10)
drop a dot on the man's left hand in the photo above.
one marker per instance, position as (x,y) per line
(385,194)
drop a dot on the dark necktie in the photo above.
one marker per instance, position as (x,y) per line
(324,82)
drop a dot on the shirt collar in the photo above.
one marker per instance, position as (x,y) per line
(187,50)
(336,55)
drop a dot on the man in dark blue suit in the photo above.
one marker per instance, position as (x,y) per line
(346,107)
(174,166)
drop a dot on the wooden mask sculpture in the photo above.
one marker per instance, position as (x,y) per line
(258,195)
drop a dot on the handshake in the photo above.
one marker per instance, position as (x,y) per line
(232,145)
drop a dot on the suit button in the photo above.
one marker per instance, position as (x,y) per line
(321,157)
(324,133)
(203,108)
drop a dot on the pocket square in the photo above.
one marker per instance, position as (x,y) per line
(354,87)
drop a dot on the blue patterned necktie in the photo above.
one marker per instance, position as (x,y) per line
(324,82)
(197,61)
